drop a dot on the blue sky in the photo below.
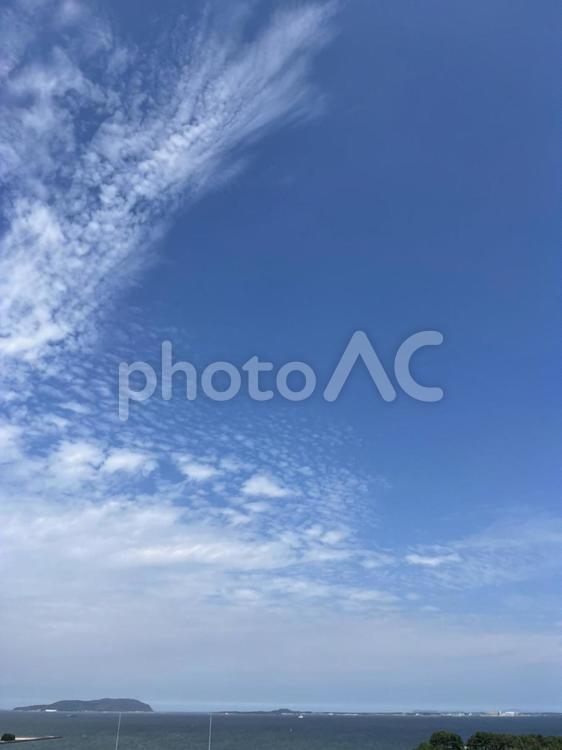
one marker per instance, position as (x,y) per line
(267,180)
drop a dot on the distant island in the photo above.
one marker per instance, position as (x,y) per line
(117,705)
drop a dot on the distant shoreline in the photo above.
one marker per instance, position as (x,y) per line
(304,712)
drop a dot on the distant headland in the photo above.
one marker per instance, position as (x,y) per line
(117,705)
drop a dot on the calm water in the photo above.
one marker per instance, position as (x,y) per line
(254,732)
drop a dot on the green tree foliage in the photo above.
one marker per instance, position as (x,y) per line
(446,741)
(491,741)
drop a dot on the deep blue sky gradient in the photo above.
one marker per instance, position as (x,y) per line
(423,197)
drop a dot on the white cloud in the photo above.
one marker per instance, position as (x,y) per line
(10,442)
(215,550)
(129,461)
(257,506)
(75,461)
(261,485)
(432,561)
(334,536)
(83,210)
(195,470)
(75,407)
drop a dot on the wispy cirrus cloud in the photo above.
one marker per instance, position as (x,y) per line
(506,552)
(432,561)
(100,146)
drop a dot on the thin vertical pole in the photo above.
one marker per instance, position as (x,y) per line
(118,730)
(210,729)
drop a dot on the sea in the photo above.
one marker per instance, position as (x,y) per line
(184,731)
